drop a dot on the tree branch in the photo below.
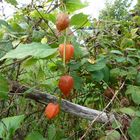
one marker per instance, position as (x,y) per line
(66,106)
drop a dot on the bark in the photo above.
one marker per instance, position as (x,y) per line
(66,106)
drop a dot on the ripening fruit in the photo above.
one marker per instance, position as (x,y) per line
(66,84)
(69,52)
(52,110)
(62,21)
(109,92)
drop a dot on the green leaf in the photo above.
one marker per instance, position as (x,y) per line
(120,59)
(36,50)
(4,88)
(75,65)
(111,135)
(73,5)
(16,27)
(138,79)
(133,130)
(128,110)
(135,93)
(13,2)
(127,42)
(78,19)
(51,132)
(97,66)
(130,49)
(116,52)
(132,73)
(60,135)
(117,72)
(106,73)
(77,49)
(29,62)
(5,47)
(9,125)
(37,36)
(77,81)
(34,136)
(133,33)
(138,113)
(97,76)
(4,23)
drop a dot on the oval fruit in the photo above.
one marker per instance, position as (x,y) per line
(109,92)
(69,51)
(66,84)
(62,21)
(52,110)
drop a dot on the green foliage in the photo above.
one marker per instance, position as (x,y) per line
(4,89)
(36,50)
(135,93)
(129,111)
(107,54)
(13,2)
(73,5)
(79,19)
(34,136)
(4,23)
(134,129)
(116,11)
(111,135)
(99,64)
(5,46)
(127,42)
(9,125)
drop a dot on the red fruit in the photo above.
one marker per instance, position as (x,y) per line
(66,84)
(52,110)
(62,21)
(69,51)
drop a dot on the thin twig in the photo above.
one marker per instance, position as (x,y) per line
(46,22)
(120,130)
(50,6)
(18,61)
(91,124)
(78,27)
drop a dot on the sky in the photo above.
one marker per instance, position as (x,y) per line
(96,5)
(93,9)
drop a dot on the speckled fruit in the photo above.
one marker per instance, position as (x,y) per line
(62,21)
(109,92)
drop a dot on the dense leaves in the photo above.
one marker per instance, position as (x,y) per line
(9,125)
(36,50)
(102,63)
(4,88)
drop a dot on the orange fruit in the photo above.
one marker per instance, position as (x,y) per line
(52,110)
(69,51)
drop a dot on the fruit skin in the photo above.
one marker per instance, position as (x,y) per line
(52,110)
(62,21)
(69,52)
(66,84)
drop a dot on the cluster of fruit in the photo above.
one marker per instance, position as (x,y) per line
(66,52)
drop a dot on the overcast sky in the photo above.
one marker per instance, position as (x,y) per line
(93,9)
(96,5)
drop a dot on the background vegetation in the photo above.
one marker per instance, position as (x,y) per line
(106,62)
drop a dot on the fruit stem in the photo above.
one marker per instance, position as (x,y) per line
(64,53)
